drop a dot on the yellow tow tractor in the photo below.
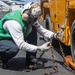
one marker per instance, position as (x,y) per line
(59,15)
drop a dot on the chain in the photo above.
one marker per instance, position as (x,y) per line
(52,48)
(66,66)
(61,49)
(54,64)
(55,67)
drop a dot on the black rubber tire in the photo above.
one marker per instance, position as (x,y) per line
(48,22)
(48,26)
(73,40)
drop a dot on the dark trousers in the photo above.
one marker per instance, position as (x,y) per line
(8,49)
(32,39)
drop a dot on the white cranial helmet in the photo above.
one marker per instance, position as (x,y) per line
(36,11)
(27,6)
(35,7)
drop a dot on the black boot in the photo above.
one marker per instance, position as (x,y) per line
(5,63)
(5,66)
(31,60)
(37,64)
(29,57)
(0,59)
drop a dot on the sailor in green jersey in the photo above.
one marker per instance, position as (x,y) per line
(18,32)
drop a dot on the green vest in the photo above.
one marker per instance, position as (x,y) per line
(15,15)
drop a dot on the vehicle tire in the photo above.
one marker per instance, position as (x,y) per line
(73,41)
(48,26)
(48,22)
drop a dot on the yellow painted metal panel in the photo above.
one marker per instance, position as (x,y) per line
(53,10)
(57,11)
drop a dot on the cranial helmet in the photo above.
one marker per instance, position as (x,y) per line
(32,10)
(29,6)
(35,8)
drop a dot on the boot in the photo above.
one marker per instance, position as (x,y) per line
(5,63)
(29,62)
(37,64)
(5,66)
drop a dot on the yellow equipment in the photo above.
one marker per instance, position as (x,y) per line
(58,15)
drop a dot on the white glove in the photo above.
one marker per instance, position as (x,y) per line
(45,47)
(59,36)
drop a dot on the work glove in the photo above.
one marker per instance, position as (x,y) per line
(59,36)
(45,47)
